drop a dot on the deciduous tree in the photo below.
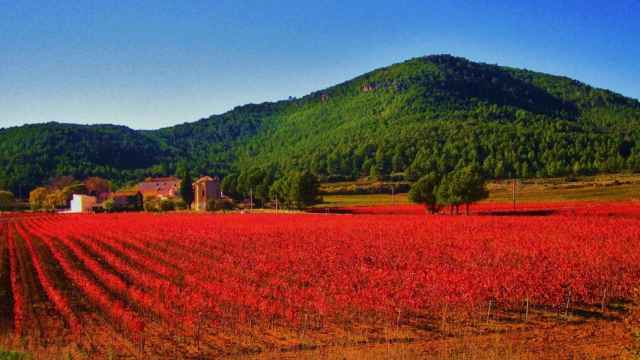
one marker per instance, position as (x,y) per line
(97,185)
(37,198)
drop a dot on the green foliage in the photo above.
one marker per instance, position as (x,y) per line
(465,185)
(473,184)
(167,205)
(180,204)
(13,355)
(429,114)
(151,204)
(7,201)
(255,182)
(132,203)
(155,204)
(424,191)
(279,191)
(462,186)
(296,190)
(109,205)
(304,189)
(230,187)
(220,205)
(186,188)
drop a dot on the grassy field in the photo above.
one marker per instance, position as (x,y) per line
(595,188)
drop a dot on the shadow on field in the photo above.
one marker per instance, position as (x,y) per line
(328,210)
(539,212)
(532,212)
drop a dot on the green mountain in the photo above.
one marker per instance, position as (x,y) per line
(426,114)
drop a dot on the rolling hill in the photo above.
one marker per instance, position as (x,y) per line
(431,113)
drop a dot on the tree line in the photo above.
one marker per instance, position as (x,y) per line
(267,187)
(58,193)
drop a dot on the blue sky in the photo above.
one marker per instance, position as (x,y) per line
(150,64)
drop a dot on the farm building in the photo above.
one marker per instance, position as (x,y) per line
(162,187)
(204,189)
(82,203)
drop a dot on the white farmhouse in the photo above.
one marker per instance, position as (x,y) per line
(82,203)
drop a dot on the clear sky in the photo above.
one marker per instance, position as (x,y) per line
(150,64)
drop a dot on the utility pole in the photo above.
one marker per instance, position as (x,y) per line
(251,200)
(276,205)
(393,194)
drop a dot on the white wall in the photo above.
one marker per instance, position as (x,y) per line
(82,203)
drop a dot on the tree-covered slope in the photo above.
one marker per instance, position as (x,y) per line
(426,114)
(436,112)
(32,154)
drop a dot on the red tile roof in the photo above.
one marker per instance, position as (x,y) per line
(164,186)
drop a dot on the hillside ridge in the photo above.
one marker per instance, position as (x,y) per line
(424,114)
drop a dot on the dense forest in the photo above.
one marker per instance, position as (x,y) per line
(429,114)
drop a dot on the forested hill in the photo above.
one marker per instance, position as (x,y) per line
(426,114)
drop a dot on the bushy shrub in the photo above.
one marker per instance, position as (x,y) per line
(225,204)
(180,204)
(167,205)
(220,205)
(109,205)
(211,205)
(13,355)
(151,204)
(154,204)
(7,201)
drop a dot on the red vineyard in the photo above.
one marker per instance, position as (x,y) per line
(139,280)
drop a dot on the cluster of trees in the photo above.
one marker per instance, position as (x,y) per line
(525,149)
(295,190)
(462,186)
(267,187)
(57,194)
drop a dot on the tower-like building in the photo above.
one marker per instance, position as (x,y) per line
(204,189)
